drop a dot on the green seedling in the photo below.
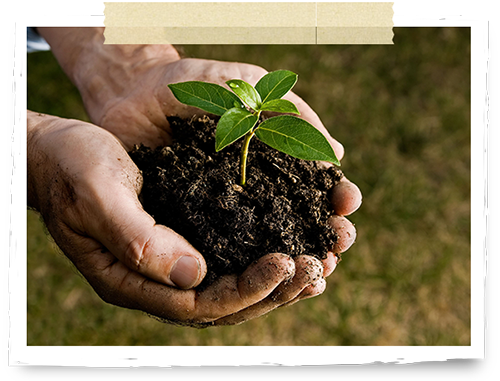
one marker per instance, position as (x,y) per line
(240,110)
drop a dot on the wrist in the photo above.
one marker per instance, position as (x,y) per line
(37,125)
(102,73)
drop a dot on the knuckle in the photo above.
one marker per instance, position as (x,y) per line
(134,252)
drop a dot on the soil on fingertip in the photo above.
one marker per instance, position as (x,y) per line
(190,188)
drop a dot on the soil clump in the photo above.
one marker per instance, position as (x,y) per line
(190,188)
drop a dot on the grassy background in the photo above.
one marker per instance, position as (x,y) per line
(403,115)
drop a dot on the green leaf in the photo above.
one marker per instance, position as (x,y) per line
(297,138)
(234,124)
(280,105)
(275,84)
(209,97)
(246,92)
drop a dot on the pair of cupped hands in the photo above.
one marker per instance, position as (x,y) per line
(82,181)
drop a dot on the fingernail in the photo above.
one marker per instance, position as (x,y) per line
(185,272)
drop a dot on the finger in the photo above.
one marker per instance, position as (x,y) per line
(231,294)
(346,232)
(308,270)
(329,264)
(315,289)
(152,250)
(318,287)
(345,197)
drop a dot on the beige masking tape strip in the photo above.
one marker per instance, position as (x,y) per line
(248,23)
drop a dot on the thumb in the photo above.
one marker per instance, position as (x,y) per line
(161,254)
(87,182)
(155,251)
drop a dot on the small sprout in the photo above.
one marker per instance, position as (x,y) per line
(286,133)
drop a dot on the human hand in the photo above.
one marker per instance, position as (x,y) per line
(85,186)
(124,89)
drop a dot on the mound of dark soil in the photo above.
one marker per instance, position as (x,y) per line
(194,190)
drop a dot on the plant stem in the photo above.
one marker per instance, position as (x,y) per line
(244,151)
(243,158)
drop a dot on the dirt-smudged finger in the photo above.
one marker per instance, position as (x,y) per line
(264,273)
(329,264)
(231,294)
(345,197)
(308,271)
(346,231)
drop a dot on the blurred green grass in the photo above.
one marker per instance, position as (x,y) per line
(402,113)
